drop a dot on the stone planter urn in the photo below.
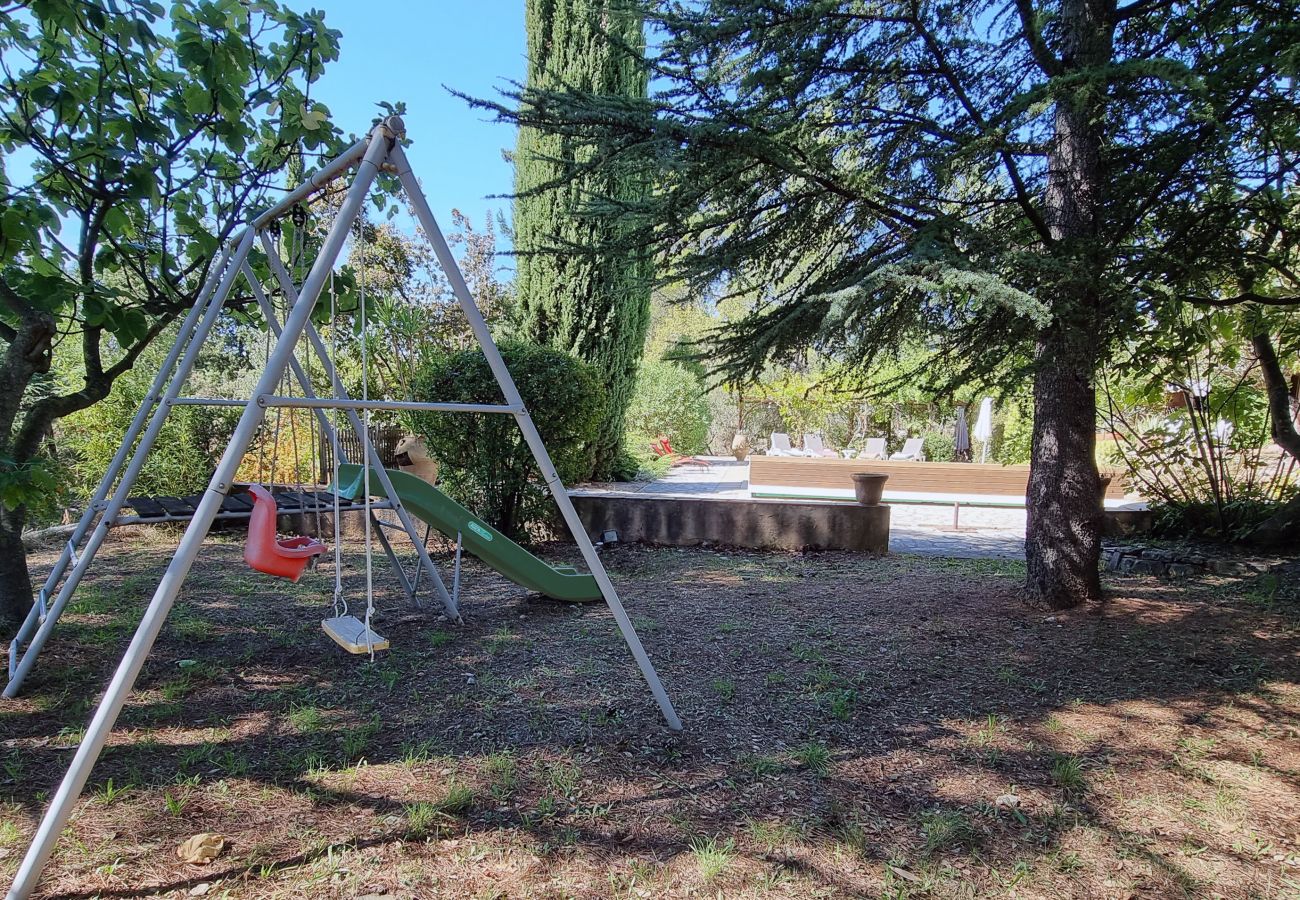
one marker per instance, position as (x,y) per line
(740,446)
(868,487)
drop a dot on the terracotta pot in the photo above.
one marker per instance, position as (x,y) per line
(868,487)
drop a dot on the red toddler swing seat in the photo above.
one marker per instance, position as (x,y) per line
(265,551)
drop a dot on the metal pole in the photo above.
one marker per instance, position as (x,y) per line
(323,176)
(448,262)
(56,817)
(341,393)
(272,400)
(183,336)
(405,582)
(138,460)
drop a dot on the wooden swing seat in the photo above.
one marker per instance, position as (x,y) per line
(265,551)
(352,635)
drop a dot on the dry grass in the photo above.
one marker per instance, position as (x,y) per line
(850,725)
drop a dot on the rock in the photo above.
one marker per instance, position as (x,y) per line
(200,889)
(202,848)
(1228,567)
(1127,563)
(1148,567)
(1007,801)
(1183,570)
(1159,555)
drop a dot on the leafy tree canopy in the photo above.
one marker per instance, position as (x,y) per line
(875,170)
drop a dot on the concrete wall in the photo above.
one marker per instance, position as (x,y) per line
(755,524)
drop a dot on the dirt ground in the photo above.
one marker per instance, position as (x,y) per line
(855,727)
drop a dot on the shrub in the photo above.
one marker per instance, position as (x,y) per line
(486,463)
(669,399)
(1233,521)
(940,446)
(1013,447)
(183,457)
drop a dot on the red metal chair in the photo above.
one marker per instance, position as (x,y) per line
(265,551)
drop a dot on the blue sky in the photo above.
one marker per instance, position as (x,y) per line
(407,50)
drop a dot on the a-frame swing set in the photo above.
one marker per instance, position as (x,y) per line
(381,150)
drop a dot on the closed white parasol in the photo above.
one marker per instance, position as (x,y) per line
(984,427)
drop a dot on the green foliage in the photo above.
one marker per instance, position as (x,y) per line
(939,446)
(1234,521)
(669,400)
(139,116)
(573,293)
(33,484)
(1017,420)
(189,445)
(485,463)
(1188,406)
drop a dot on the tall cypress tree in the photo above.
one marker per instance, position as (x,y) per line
(573,294)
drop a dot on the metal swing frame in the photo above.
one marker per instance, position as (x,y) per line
(381,150)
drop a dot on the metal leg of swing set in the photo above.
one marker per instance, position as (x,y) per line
(415,582)
(224,277)
(407,587)
(455,574)
(510,392)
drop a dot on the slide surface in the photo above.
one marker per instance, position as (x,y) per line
(478,537)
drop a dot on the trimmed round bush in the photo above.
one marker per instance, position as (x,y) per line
(486,464)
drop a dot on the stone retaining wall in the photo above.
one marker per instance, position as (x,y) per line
(754,524)
(1136,560)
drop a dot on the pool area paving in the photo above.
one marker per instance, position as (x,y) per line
(920,529)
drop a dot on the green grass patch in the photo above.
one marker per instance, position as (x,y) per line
(947,829)
(813,756)
(713,857)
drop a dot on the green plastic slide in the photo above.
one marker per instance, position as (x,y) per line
(478,537)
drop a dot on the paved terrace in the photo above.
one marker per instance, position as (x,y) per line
(922,529)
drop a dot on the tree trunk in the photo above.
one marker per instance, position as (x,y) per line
(1282,529)
(1063,528)
(15,582)
(28,354)
(1282,421)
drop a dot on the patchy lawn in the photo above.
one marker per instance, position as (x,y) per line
(854,728)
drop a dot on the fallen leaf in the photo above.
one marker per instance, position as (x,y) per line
(904,874)
(202,848)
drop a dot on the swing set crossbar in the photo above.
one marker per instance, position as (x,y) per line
(275,400)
